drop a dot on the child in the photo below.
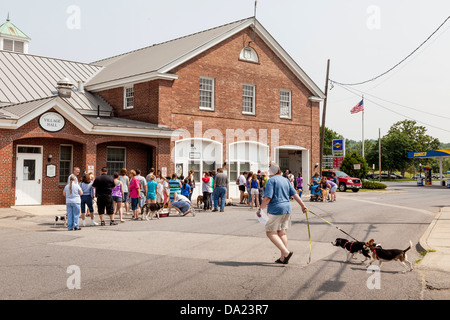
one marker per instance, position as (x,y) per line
(186,188)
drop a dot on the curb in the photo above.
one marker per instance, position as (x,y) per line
(423,240)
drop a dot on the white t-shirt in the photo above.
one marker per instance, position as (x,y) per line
(242,180)
(180,197)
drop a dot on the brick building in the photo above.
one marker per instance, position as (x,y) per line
(226,97)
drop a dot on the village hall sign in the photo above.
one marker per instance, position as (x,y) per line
(52,122)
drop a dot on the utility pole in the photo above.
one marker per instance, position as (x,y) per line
(379,153)
(322,134)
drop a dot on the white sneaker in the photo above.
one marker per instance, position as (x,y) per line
(84,223)
(93,223)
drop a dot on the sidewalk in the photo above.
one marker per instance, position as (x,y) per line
(437,239)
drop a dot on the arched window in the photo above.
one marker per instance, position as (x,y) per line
(249,54)
(199,155)
(247,156)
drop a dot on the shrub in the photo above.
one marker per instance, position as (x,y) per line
(373,185)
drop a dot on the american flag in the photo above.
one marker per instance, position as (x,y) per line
(358,108)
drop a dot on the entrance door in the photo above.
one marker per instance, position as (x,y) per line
(29,176)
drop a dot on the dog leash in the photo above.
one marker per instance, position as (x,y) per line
(309,236)
(329,224)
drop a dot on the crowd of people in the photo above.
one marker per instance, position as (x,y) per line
(272,190)
(124,192)
(328,187)
(252,186)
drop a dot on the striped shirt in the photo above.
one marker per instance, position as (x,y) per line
(174,188)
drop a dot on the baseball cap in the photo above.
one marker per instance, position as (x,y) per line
(273,168)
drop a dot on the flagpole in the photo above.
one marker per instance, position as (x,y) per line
(363,127)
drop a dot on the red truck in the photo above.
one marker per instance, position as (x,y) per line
(344,180)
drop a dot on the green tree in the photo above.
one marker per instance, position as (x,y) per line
(403,137)
(348,165)
(330,135)
(421,141)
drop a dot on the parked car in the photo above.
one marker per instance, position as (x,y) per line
(385,176)
(344,180)
(396,175)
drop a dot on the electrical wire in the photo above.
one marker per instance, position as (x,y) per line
(401,105)
(398,64)
(398,113)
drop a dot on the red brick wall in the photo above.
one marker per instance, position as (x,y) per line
(177,102)
(269,76)
(146,97)
(87,150)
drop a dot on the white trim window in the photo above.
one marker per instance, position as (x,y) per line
(128,98)
(247,156)
(248,99)
(13,46)
(115,159)
(249,54)
(65,163)
(285,104)
(206,93)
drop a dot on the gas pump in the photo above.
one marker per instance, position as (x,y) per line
(448,179)
(428,176)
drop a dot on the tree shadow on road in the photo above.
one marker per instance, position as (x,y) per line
(245,264)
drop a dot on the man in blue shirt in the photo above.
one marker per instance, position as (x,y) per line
(277,196)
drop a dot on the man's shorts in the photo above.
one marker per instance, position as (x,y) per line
(278,222)
(105,202)
(242,188)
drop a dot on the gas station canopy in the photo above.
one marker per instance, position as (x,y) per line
(436,154)
(430,154)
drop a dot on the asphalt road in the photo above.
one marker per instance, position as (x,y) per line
(219,256)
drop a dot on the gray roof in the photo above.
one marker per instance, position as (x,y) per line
(17,111)
(124,123)
(28,82)
(84,102)
(152,59)
(25,77)
(160,59)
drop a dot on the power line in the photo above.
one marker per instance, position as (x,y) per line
(401,105)
(398,113)
(386,72)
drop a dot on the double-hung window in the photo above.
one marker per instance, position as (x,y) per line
(128,101)
(65,163)
(207,94)
(115,159)
(285,104)
(248,99)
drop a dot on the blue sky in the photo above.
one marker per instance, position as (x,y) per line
(361,38)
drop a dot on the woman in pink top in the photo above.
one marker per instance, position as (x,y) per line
(135,191)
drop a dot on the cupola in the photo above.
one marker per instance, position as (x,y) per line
(12,38)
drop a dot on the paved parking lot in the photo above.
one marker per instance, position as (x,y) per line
(217,256)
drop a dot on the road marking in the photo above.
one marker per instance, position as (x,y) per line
(392,206)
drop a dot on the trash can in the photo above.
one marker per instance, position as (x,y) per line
(420,182)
